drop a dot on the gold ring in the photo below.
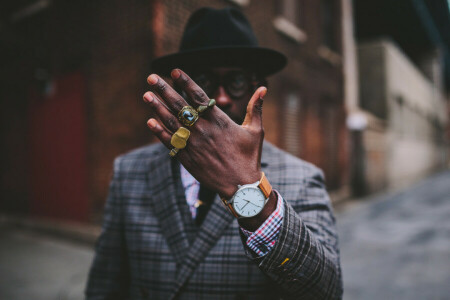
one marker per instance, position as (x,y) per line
(173,152)
(202,108)
(179,140)
(188,116)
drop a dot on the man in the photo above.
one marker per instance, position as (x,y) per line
(225,216)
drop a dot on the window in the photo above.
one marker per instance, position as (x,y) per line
(290,21)
(292,11)
(328,12)
(240,2)
(330,26)
(292,124)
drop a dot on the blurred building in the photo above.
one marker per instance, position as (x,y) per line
(74,72)
(74,75)
(403,72)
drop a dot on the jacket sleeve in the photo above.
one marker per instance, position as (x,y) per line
(108,276)
(304,263)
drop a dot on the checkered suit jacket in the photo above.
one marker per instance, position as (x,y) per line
(151,249)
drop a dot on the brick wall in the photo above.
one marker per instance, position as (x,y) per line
(126,38)
(34,51)
(112,44)
(121,51)
(312,78)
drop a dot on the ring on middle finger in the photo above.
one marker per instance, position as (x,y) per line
(188,116)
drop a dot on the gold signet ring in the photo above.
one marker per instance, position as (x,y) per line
(180,137)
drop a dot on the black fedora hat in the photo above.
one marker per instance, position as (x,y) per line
(220,38)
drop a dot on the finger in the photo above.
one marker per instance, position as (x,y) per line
(167,94)
(161,133)
(253,118)
(167,118)
(196,96)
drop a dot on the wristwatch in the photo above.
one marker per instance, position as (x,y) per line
(250,199)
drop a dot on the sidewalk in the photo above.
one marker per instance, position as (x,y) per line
(40,266)
(394,245)
(72,231)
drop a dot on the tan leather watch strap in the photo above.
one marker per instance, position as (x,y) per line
(265,186)
(230,207)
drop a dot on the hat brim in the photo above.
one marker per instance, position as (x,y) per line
(264,61)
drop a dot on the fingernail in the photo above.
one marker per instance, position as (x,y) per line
(148,97)
(263,93)
(151,123)
(152,79)
(175,74)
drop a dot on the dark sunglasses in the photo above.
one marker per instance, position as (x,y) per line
(236,83)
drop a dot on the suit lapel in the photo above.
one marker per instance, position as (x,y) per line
(162,183)
(215,223)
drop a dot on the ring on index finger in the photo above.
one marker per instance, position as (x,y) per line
(188,116)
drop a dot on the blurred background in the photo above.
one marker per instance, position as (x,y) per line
(365,97)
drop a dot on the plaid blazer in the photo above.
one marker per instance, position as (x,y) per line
(150,248)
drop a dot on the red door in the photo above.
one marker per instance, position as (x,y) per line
(58,171)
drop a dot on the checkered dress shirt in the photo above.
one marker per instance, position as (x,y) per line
(263,239)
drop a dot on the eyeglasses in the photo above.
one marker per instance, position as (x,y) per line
(235,83)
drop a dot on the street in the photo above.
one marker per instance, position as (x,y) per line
(39,267)
(398,246)
(393,246)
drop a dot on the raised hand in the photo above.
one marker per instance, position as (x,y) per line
(219,153)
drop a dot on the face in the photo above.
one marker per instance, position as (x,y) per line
(230,87)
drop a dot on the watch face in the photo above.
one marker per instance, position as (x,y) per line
(248,201)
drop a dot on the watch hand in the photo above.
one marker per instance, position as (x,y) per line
(251,203)
(245,204)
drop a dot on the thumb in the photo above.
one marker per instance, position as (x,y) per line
(253,118)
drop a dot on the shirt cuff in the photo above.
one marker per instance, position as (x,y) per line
(264,238)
